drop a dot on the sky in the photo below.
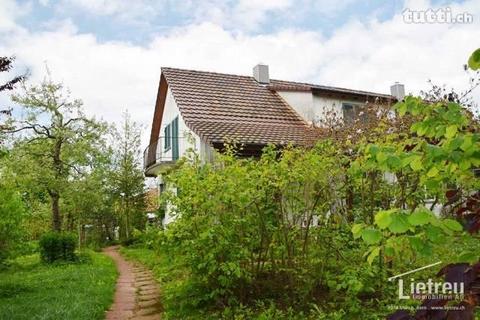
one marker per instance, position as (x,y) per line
(109,52)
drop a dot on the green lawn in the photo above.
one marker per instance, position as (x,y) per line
(32,290)
(145,256)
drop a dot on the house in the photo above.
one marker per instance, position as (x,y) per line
(205,110)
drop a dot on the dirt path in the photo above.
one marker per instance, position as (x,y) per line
(137,294)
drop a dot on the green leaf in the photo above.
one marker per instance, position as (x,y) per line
(372,149)
(467,143)
(452,225)
(474,60)
(407,160)
(468,257)
(446,230)
(422,129)
(434,234)
(371,236)
(381,157)
(415,242)
(419,218)
(402,108)
(425,249)
(399,223)
(416,164)
(375,253)
(451,131)
(383,219)
(433,172)
(465,164)
(389,251)
(356,230)
(394,162)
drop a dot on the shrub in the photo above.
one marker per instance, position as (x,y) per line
(56,246)
(12,213)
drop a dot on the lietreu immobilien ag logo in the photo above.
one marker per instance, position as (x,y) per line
(429,289)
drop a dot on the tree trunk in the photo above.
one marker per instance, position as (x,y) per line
(56,218)
(55,194)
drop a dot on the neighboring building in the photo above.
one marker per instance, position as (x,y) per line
(205,110)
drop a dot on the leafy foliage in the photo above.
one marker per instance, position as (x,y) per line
(278,239)
(60,140)
(127,178)
(12,214)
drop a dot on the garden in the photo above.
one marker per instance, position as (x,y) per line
(316,233)
(319,232)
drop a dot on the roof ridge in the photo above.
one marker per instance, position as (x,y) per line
(206,72)
(284,82)
(235,75)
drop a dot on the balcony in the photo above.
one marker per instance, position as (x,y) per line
(162,154)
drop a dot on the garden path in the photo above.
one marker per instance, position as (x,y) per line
(137,294)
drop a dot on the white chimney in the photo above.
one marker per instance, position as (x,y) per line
(398,91)
(260,73)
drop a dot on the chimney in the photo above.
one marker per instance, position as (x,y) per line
(398,91)
(260,73)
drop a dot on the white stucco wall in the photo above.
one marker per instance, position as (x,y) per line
(170,112)
(313,107)
(187,140)
(301,101)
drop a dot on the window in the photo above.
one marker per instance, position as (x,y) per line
(167,137)
(352,112)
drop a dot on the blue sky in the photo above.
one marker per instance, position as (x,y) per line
(142,24)
(109,52)
(147,19)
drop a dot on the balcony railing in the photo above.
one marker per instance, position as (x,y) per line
(159,152)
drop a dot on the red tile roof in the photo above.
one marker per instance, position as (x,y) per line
(222,107)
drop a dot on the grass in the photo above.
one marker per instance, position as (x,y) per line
(164,272)
(30,289)
(145,256)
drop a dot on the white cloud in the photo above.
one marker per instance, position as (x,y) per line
(9,12)
(251,14)
(369,55)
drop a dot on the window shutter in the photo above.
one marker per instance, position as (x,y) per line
(166,137)
(175,152)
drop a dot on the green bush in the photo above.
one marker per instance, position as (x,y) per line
(12,213)
(56,246)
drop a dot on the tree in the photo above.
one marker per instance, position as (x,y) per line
(89,201)
(128,179)
(58,140)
